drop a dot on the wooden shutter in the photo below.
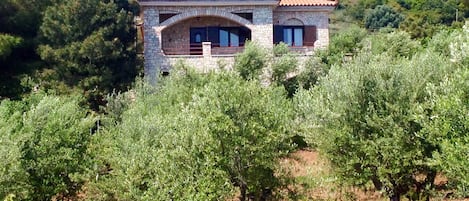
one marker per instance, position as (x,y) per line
(278,34)
(310,35)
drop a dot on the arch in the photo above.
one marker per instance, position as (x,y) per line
(293,22)
(206,12)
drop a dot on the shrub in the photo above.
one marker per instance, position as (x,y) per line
(382,16)
(363,116)
(54,147)
(250,62)
(46,147)
(197,138)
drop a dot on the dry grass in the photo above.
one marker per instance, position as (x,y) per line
(314,180)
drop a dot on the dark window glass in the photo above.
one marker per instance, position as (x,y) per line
(224,38)
(247,16)
(290,35)
(198,38)
(165,16)
(232,36)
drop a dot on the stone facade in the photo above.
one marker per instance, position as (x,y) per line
(319,18)
(172,32)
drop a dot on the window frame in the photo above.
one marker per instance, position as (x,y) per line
(309,33)
(292,33)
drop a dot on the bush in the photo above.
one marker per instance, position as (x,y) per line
(250,62)
(449,127)
(382,16)
(395,44)
(54,148)
(363,116)
(197,138)
(46,148)
(13,178)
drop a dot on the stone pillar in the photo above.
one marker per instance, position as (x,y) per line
(322,30)
(207,50)
(262,30)
(151,44)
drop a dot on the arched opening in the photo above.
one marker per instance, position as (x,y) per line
(186,36)
(293,22)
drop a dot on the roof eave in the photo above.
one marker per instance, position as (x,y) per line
(327,8)
(209,3)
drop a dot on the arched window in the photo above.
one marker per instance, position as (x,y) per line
(198,38)
(293,22)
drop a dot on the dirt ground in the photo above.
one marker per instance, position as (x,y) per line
(316,182)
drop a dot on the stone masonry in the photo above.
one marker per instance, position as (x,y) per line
(174,31)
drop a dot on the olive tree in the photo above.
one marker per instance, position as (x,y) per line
(198,137)
(363,116)
(251,61)
(45,139)
(449,120)
(13,179)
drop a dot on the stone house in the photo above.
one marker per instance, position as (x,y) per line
(206,33)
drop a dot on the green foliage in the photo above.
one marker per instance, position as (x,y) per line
(7,43)
(164,150)
(250,62)
(449,121)
(54,148)
(46,147)
(422,19)
(347,41)
(448,126)
(13,179)
(90,43)
(20,19)
(251,127)
(314,70)
(283,64)
(363,117)
(382,16)
(395,44)
(460,46)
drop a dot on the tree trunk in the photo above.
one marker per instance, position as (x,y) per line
(243,189)
(395,197)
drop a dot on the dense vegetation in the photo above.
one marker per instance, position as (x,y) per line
(386,105)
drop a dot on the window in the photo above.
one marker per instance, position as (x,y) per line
(229,37)
(221,36)
(296,36)
(165,16)
(293,36)
(246,15)
(198,38)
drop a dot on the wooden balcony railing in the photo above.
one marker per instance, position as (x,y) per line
(197,49)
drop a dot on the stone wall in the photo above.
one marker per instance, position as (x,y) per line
(313,18)
(204,65)
(262,28)
(151,42)
(174,32)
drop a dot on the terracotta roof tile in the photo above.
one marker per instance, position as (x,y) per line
(309,2)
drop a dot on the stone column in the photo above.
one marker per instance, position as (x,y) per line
(322,30)
(207,50)
(151,44)
(262,29)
